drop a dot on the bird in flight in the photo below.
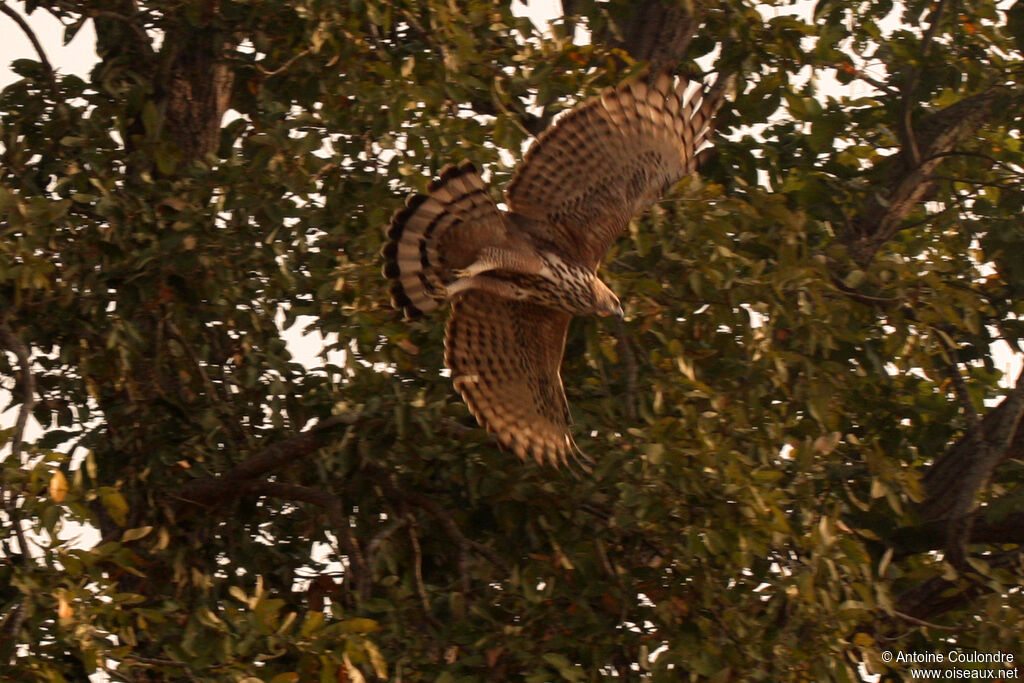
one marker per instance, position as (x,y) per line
(516,278)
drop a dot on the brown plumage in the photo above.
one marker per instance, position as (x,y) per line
(516,278)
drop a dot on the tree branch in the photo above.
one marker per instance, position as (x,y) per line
(1010,169)
(963,396)
(30,34)
(987,529)
(954,480)
(28,384)
(907,183)
(910,85)
(922,622)
(937,595)
(273,457)
(332,505)
(629,369)
(657,32)
(417,568)
(13,623)
(384,534)
(284,67)
(143,41)
(428,505)
(218,399)
(28,402)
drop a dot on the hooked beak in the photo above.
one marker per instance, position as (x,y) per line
(617,312)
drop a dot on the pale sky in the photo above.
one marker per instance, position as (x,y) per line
(79,56)
(75,58)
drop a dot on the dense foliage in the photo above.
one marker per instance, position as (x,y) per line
(804,452)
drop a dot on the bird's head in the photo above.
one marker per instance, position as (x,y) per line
(605,301)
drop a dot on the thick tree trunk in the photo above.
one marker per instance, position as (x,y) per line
(198,92)
(653,31)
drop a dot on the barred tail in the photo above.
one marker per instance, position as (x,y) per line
(406,264)
(435,234)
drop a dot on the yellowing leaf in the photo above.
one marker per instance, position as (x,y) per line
(58,488)
(358,625)
(883,564)
(238,594)
(854,279)
(863,640)
(825,530)
(286,622)
(163,539)
(408,347)
(408,65)
(64,610)
(135,534)
(380,666)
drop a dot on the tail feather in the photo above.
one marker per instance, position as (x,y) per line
(456,218)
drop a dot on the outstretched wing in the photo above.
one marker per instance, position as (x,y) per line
(585,177)
(505,358)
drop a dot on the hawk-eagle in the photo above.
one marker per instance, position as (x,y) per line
(515,278)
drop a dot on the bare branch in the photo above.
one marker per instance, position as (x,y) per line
(9,628)
(435,511)
(657,32)
(144,41)
(175,334)
(28,399)
(218,399)
(153,662)
(30,34)
(873,82)
(417,566)
(922,622)
(986,529)
(285,66)
(630,371)
(384,534)
(1009,168)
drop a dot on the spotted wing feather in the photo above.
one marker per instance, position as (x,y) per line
(505,358)
(588,174)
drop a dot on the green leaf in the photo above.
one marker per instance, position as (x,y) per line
(116,506)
